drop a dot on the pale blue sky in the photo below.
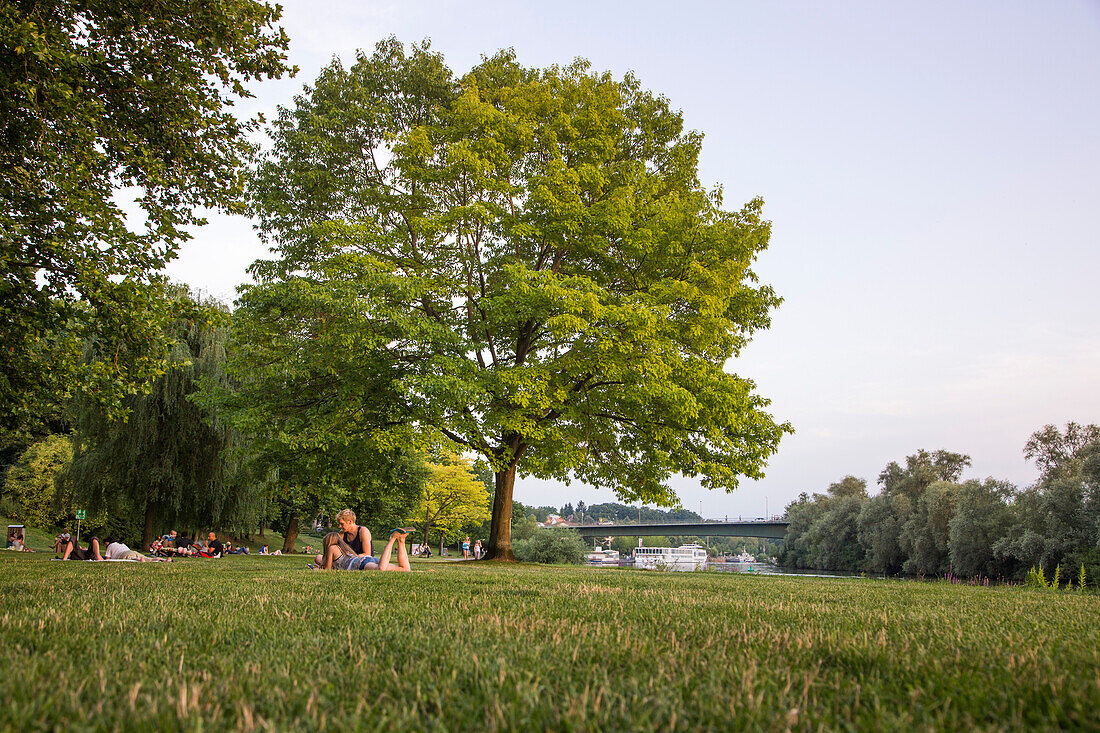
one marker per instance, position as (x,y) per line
(932,172)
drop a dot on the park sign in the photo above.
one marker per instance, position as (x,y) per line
(80,514)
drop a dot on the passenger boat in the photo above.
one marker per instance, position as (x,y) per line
(601,556)
(684,557)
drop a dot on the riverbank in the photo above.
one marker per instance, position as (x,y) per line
(254,643)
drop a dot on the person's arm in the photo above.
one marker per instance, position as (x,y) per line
(364,537)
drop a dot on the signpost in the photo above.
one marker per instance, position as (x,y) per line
(79,515)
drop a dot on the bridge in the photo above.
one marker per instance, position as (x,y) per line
(768,529)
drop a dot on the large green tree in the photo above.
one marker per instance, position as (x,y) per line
(521,260)
(101,102)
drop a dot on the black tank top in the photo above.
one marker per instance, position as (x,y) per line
(356,544)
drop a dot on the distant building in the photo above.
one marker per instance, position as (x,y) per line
(553,520)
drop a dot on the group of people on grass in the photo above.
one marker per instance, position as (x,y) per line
(16,540)
(114,550)
(170,545)
(164,548)
(351,548)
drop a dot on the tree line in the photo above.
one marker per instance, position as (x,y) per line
(179,460)
(926,520)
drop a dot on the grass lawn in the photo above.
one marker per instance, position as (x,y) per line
(263,643)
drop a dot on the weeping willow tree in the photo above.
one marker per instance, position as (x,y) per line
(170,460)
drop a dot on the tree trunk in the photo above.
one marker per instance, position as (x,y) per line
(261,530)
(291,534)
(147,531)
(500,532)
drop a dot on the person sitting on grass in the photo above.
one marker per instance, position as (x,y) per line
(59,543)
(17,540)
(213,546)
(18,545)
(338,554)
(70,550)
(165,546)
(231,550)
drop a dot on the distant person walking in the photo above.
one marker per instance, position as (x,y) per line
(466,549)
(477,550)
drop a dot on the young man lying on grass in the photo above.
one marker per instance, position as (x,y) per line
(338,554)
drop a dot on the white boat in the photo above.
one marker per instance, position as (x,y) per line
(684,557)
(601,556)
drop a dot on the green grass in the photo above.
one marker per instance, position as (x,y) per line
(261,643)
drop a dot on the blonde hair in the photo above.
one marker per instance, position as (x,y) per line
(345,514)
(335,538)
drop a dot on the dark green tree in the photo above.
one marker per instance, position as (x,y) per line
(879,526)
(834,535)
(1059,454)
(981,520)
(921,470)
(925,536)
(1057,521)
(170,460)
(100,100)
(802,514)
(849,486)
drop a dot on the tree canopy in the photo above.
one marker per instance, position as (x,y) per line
(521,260)
(101,102)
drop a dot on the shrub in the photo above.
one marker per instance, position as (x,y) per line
(30,484)
(552,546)
(1036,578)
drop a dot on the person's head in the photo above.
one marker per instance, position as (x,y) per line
(336,538)
(346,519)
(172,534)
(211,536)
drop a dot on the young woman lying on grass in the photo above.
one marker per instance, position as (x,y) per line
(337,554)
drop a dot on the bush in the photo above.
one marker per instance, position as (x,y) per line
(552,546)
(30,487)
